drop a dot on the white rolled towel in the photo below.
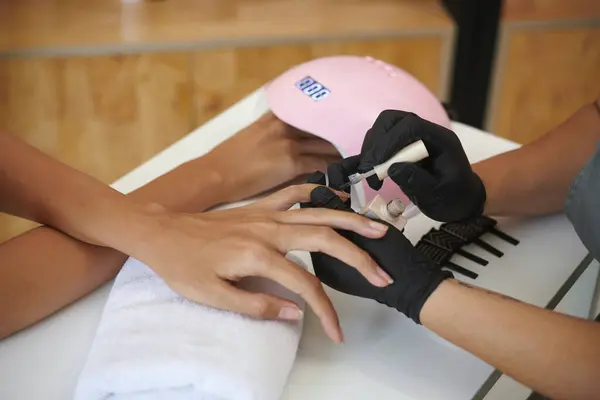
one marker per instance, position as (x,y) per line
(153,344)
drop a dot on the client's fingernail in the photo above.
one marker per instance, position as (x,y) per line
(384,275)
(378,226)
(291,313)
(341,337)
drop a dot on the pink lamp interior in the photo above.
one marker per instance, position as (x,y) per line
(338,99)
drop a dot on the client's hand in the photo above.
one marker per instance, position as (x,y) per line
(415,276)
(267,154)
(201,256)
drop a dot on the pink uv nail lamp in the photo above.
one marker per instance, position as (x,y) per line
(338,99)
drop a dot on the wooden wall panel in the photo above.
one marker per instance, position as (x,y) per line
(106,114)
(422,56)
(544,76)
(103,115)
(35,24)
(550,10)
(224,76)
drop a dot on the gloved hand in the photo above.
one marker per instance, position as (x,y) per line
(415,276)
(443,186)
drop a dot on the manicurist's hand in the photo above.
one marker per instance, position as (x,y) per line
(201,256)
(443,186)
(415,277)
(266,154)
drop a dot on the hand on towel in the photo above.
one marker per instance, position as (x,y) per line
(266,154)
(201,256)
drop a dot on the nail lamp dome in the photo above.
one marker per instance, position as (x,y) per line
(338,99)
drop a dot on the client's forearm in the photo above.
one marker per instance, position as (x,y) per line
(535,179)
(552,353)
(43,270)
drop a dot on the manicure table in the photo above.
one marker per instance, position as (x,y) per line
(385,356)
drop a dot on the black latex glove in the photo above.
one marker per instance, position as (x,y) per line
(443,186)
(415,276)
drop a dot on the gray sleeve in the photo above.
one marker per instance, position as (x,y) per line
(582,205)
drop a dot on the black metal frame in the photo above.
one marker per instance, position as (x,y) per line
(474,53)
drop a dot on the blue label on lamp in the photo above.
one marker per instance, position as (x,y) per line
(312,88)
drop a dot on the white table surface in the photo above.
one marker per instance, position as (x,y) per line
(385,355)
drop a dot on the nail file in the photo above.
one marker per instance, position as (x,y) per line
(488,247)
(504,236)
(473,229)
(489,225)
(470,234)
(442,257)
(452,244)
